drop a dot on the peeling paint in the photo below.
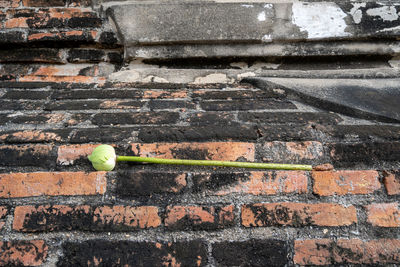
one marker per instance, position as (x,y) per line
(356,13)
(386,13)
(261,16)
(320,20)
(267,38)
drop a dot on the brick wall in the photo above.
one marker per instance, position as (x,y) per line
(56,105)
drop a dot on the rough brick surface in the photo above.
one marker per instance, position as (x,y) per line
(328,183)
(347,251)
(128,253)
(52,184)
(23,253)
(255,183)
(199,217)
(85,218)
(3,214)
(383,214)
(68,154)
(231,151)
(391,181)
(251,253)
(297,214)
(26,155)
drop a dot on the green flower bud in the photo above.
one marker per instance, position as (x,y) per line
(103,158)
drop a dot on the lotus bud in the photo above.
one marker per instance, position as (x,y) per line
(103,158)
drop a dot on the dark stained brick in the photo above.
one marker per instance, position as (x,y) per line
(211,118)
(234,94)
(128,253)
(170,104)
(366,132)
(23,252)
(101,135)
(20,105)
(7,37)
(92,104)
(27,155)
(367,153)
(136,118)
(251,253)
(72,36)
(246,105)
(85,55)
(26,94)
(199,133)
(99,94)
(289,117)
(131,184)
(289,132)
(41,55)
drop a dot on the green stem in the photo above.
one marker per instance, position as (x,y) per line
(253,165)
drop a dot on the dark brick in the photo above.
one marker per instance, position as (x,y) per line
(27,155)
(42,55)
(366,132)
(12,37)
(289,133)
(234,94)
(115,57)
(31,118)
(92,104)
(289,117)
(170,104)
(247,105)
(201,133)
(214,181)
(99,94)
(23,252)
(44,3)
(211,118)
(129,253)
(73,36)
(136,118)
(85,55)
(26,94)
(101,135)
(84,22)
(368,153)
(251,253)
(34,136)
(108,38)
(131,184)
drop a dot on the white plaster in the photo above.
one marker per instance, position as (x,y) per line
(247,6)
(386,13)
(356,13)
(213,78)
(267,38)
(320,19)
(269,6)
(261,16)
(245,75)
(397,28)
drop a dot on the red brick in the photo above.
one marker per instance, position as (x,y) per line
(61,79)
(30,136)
(391,181)
(291,152)
(199,217)
(84,218)
(67,154)
(73,35)
(231,151)
(43,3)
(52,184)
(3,214)
(255,183)
(23,253)
(328,183)
(165,94)
(384,214)
(346,251)
(297,214)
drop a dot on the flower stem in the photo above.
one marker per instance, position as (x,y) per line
(253,165)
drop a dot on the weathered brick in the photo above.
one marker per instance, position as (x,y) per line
(346,251)
(23,253)
(68,154)
(43,3)
(297,214)
(199,217)
(170,104)
(3,214)
(256,183)
(246,105)
(20,105)
(291,152)
(93,104)
(279,132)
(52,184)
(9,3)
(256,253)
(84,218)
(367,153)
(136,118)
(383,214)
(391,181)
(101,135)
(62,79)
(197,133)
(142,183)
(289,117)
(366,132)
(165,94)
(40,55)
(85,55)
(31,118)
(234,94)
(34,136)
(84,36)
(329,183)
(26,94)
(98,94)
(231,151)
(12,37)
(27,155)
(129,253)
(211,118)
